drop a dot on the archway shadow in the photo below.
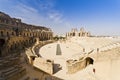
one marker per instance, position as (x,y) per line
(56,68)
(89,61)
(2,42)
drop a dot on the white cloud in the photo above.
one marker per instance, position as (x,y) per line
(45,4)
(55,16)
(44,14)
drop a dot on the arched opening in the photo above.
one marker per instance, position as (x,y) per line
(30,34)
(79,34)
(32,59)
(23,34)
(89,61)
(7,33)
(1,33)
(2,42)
(73,34)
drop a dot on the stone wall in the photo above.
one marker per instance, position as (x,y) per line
(76,65)
(44,65)
(76,33)
(33,57)
(18,35)
(16,45)
(14,27)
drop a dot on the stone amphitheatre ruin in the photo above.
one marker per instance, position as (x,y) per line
(28,52)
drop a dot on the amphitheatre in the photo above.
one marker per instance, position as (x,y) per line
(29,52)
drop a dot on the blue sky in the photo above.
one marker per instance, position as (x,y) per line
(100,17)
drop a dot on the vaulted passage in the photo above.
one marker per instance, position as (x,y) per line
(89,61)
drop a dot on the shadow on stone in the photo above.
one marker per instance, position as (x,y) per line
(56,68)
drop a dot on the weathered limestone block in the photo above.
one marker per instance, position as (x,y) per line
(75,65)
(44,65)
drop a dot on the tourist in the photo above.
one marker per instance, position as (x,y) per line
(94,70)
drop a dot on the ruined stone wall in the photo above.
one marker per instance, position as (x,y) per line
(44,65)
(21,41)
(18,35)
(16,45)
(7,32)
(12,26)
(75,32)
(34,58)
(75,65)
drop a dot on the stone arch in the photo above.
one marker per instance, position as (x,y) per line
(23,34)
(2,42)
(46,36)
(89,61)
(7,33)
(73,33)
(79,34)
(26,34)
(30,34)
(70,34)
(1,32)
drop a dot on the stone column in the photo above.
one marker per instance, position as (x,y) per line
(83,49)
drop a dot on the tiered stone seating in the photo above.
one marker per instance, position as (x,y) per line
(9,61)
(10,68)
(13,73)
(110,46)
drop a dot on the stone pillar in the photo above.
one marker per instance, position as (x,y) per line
(97,50)
(83,49)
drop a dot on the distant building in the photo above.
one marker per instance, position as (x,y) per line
(75,32)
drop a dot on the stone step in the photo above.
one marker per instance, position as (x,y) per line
(13,73)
